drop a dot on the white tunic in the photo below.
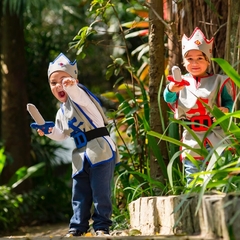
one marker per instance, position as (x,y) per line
(189,105)
(86,114)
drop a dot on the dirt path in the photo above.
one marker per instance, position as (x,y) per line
(58,231)
(51,231)
(48,230)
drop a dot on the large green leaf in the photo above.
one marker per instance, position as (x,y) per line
(228,69)
(2,159)
(176,142)
(24,173)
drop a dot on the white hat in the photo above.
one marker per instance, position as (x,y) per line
(62,63)
(197,41)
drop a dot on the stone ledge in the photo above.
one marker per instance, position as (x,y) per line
(118,238)
(165,216)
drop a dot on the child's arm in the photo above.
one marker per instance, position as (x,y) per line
(54,133)
(170,92)
(74,92)
(226,100)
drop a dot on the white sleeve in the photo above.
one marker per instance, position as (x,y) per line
(57,135)
(78,95)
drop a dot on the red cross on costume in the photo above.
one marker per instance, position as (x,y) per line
(200,107)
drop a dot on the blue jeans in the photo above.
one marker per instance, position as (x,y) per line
(190,168)
(92,186)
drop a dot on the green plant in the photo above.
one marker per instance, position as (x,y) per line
(131,116)
(2,159)
(10,214)
(214,158)
(50,200)
(47,203)
(38,205)
(9,201)
(223,161)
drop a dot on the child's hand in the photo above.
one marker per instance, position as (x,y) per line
(223,109)
(174,87)
(41,133)
(68,82)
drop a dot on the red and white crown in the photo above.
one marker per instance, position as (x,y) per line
(197,41)
(62,63)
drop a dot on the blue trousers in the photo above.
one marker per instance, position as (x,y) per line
(90,187)
(190,168)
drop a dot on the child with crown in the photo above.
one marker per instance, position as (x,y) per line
(186,101)
(81,117)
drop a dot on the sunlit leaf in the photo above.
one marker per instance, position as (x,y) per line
(2,159)
(144,73)
(24,173)
(137,34)
(228,69)
(141,13)
(134,24)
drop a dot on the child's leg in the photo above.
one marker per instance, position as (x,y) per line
(81,201)
(101,180)
(189,168)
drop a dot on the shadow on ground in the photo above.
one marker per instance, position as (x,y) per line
(48,230)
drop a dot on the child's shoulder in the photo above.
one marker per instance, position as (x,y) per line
(222,78)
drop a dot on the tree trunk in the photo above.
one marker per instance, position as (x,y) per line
(1,6)
(174,37)
(156,73)
(15,129)
(235,34)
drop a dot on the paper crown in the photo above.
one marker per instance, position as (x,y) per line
(62,63)
(197,41)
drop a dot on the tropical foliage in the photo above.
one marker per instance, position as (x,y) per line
(116,34)
(132,120)
(222,162)
(38,205)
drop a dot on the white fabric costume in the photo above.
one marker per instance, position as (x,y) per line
(79,114)
(214,90)
(188,106)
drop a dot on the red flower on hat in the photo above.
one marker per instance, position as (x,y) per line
(61,64)
(197,42)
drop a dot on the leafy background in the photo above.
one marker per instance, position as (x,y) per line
(110,41)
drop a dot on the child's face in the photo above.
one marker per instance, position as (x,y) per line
(196,63)
(55,82)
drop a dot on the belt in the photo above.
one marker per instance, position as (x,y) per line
(204,122)
(81,138)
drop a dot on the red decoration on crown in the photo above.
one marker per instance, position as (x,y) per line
(197,42)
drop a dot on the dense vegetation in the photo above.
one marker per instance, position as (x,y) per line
(120,73)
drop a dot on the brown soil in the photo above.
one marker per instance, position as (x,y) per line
(49,230)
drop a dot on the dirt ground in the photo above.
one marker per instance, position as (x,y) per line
(59,230)
(48,230)
(55,230)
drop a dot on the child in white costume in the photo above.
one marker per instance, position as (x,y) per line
(184,101)
(93,160)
